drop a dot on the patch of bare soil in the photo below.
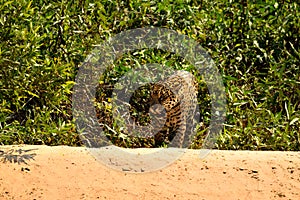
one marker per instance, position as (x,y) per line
(42,172)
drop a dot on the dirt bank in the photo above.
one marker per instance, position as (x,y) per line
(73,173)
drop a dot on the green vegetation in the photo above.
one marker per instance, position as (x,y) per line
(254,45)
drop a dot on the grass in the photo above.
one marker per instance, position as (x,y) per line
(255,46)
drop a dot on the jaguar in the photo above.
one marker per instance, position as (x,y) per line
(178,96)
(171,103)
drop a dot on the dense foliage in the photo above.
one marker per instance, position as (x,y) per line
(255,46)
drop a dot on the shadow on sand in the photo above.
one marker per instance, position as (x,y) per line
(17,155)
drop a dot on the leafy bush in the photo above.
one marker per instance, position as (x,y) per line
(254,44)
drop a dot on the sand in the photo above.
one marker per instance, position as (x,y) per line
(43,172)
